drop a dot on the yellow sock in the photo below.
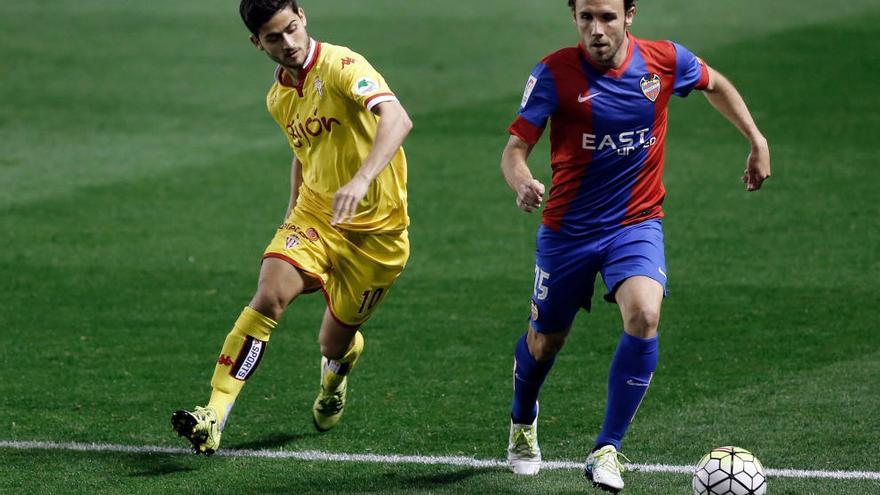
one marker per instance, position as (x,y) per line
(337,369)
(240,356)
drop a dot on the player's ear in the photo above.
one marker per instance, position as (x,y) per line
(256,42)
(302,15)
(630,15)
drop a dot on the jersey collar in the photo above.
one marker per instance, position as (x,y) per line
(311,58)
(314,50)
(615,72)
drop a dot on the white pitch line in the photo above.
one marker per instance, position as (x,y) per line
(314,455)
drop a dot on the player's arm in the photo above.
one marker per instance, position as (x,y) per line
(726,99)
(529,191)
(296,180)
(394,125)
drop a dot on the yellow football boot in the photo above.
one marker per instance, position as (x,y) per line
(200,427)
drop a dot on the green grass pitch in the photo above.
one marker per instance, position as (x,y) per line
(141,177)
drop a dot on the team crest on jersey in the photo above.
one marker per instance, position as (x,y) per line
(365,86)
(291,241)
(651,86)
(319,86)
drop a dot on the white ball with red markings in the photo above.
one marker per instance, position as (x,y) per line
(729,471)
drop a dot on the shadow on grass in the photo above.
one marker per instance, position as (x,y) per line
(435,480)
(161,465)
(158,465)
(397,480)
(270,441)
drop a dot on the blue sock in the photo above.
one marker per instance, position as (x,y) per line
(528,376)
(631,369)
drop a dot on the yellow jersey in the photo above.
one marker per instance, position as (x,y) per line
(329,124)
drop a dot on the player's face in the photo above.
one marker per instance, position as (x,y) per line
(603,25)
(284,38)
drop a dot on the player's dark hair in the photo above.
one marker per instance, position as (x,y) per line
(255,13)
(627,4)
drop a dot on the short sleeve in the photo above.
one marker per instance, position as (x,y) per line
(690,72)
(539,102)
(359,81)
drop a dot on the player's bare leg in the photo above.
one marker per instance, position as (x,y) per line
(635,360)
(639,299)
(341,345)
(545,346)
(242,351)
(280,283)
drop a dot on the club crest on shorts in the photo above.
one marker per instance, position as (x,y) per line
(651,86)
(312,234)
(291,241)
(534,311)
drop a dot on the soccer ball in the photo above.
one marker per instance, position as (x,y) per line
(729,471)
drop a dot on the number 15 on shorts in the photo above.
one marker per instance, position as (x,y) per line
(540,289)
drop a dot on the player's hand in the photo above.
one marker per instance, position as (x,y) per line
(346,199)
(529,195)
(757,166)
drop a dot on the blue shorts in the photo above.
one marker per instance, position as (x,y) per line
(566,269)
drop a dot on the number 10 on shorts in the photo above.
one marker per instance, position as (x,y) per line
(540,289)
(369,298)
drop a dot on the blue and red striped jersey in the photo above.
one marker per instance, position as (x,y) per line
(607,131)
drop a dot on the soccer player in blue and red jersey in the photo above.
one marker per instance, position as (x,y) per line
(606,100)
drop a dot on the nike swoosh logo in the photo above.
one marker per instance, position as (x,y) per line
(582,98)
(636,384)
(661,272)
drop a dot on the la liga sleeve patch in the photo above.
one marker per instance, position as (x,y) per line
(364,86)
(530,85)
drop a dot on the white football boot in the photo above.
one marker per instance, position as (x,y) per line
(523,453)
(603,468)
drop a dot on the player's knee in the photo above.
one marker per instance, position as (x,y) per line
(333,349)
(271,303)
(544,346)
(642,321)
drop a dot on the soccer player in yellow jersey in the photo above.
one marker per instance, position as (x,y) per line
(344,231)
